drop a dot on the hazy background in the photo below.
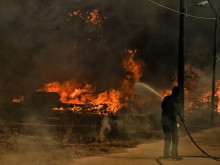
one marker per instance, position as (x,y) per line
(38,45)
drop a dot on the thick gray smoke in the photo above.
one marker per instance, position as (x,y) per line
(38,45)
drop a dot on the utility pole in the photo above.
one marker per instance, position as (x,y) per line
(214,63)
(181,68)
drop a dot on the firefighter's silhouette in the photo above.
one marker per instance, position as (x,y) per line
(170,111)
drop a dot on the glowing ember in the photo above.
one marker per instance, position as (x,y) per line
(94,17)
(82,97)
(18,100)
(218,95)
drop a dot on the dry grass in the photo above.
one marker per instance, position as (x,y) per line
(34,150)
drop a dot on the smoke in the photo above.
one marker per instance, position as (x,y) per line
(134,125)
(105,128)
(38,45)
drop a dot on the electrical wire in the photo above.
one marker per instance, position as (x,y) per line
(178,12)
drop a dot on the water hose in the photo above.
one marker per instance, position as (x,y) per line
(191,138)
(209,156)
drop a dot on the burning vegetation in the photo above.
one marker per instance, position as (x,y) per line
(93,17)
(19,99)
(81,97)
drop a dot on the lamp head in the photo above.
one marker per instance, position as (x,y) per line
(203,3)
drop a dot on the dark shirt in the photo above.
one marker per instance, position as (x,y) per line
(170,108)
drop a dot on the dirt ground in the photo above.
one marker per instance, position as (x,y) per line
(148,153)
(32,150)
(109,153)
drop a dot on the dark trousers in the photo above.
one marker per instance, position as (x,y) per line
(171,134)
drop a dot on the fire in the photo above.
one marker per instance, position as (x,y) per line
(218,96)
(94,17)
(81,97)
(110,98)
(77,96)
(207,96)
(166,92)
(19,99)
(203,101)
(133,66)
(71,92)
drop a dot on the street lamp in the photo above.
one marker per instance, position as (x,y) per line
(203,3)
(214,62)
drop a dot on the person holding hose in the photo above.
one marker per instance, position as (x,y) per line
(170,111)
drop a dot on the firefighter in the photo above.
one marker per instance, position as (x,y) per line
(170,111)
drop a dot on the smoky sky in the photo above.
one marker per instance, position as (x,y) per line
(38,45)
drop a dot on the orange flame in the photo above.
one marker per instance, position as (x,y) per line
(218,96)
(133,66)
(166,92)
(82,97)
(77,95)
(20,99)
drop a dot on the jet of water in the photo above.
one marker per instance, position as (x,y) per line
(140,86)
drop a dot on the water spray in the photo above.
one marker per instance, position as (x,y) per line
(142,87)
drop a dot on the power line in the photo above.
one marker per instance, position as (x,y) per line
(178,12)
